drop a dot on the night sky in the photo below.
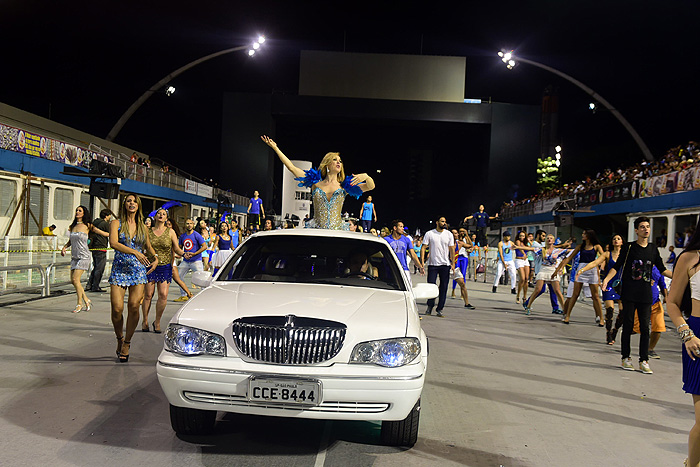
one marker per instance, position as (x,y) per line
(84,64)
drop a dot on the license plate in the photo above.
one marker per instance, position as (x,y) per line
(284,391)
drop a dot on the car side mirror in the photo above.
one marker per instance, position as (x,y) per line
(201,279)
(425,291)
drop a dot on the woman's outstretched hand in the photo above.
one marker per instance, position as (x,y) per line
(267,140)
(357,179)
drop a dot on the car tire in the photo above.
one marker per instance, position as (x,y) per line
(403,432)
(186,421)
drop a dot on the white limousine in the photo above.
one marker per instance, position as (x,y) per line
(300,323)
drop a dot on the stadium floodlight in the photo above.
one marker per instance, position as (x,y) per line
(557,162)
(170,91)
(160,84)
(557,148)
(509,58)
(558,156)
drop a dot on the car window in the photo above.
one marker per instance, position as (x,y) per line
(321,260)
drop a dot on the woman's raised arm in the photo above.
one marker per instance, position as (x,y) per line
(296,171)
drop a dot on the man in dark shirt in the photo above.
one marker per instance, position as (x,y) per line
(482,222)
(636,260)
(98,245)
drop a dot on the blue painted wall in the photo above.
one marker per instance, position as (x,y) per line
(16,162)
(669,202)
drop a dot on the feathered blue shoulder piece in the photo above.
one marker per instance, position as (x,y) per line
(354,191)
(312,177)
(166,206)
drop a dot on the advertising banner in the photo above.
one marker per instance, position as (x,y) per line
(14,139)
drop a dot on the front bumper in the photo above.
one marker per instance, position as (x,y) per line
(348,392)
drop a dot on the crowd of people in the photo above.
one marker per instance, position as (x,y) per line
(676,158)
(628,275)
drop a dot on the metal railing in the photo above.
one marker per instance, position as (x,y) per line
(43,286)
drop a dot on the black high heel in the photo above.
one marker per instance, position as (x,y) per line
(119,339)
(157,331)
(124,358)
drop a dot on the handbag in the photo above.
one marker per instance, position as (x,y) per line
(480,269)
(617,283)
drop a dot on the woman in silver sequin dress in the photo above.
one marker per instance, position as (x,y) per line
(80,253)
(329,186)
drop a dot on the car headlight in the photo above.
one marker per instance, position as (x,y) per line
(185,340)
(387,352)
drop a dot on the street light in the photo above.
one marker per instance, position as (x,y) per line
(508,57)
(170,90)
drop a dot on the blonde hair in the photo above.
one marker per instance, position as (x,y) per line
(140,226)
(326,161)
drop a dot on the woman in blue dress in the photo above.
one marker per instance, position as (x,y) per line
(684,310)
(129,238)
(222,247)
(329,186)
(610,297)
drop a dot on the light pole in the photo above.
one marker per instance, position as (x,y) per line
(159,85)
(511,61)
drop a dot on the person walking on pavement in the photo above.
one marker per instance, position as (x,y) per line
(610,297)
(368,213)
(99,244)
(482,222)
(129,239)
(635,261)
(79,230)
(539,241)
(442,252)
(165,244)
(193,244)
(684,310)
(256,212)
(505,263)
(402,246)
(588,251)
(549,258)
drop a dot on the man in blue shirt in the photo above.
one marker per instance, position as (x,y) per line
(403,246)
(255,211)
(194,245)
(368,213)
(482,222)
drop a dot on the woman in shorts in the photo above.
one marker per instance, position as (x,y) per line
(589,250)
(549,271)
(610,297)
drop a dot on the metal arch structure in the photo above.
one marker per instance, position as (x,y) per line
(159,85)
(638,139)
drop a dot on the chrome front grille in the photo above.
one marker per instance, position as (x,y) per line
(288,340)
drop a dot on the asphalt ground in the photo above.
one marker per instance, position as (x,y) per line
(503,389)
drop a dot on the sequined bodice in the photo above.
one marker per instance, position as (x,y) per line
(130,242)
(327,213)
(163,245)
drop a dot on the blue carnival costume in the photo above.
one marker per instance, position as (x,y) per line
(127,270)
(328,212)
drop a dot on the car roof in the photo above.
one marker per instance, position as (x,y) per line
(327,233)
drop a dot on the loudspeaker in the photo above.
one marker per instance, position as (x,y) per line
(104,168)
(104,190)
(563,220)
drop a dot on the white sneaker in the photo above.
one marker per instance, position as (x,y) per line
(644,368)
(627,364)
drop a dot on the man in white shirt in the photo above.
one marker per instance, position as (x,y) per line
(441,259)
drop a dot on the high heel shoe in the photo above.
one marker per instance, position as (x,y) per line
(157,331)
(123,358)
(119,350)
(89,305)
(78,309)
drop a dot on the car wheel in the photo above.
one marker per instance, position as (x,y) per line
(403,432)
(186,421)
